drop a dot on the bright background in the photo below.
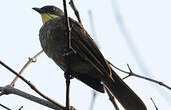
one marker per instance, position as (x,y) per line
(147,22)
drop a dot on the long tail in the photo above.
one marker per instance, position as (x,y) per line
(127,98)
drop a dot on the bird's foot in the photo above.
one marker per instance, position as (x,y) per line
(68,75)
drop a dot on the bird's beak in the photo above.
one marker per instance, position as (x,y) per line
(39,10)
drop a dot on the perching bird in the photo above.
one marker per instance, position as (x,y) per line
(87,63)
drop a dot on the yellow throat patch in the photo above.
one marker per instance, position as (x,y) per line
(46,17)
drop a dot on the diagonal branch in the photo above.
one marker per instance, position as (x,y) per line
(7,108)
(130,73)
(20,108)
(75,11)
(112,99)
(11,90)
(30,84)
(154,103)
(31,60)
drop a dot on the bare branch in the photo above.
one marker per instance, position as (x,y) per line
(154,104)
(5,107)
(67,24)
(93,99)
(20,108)
(112,99)
(31,60)
(67,73)
(30,84)
(126,77)
(130,73)
(75,11)
(11,90)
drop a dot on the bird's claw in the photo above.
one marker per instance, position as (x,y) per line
(68,76)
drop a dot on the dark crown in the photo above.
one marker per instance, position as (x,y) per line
(53,10)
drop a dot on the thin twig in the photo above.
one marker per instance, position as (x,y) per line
(130,73)
(67,77)
(67,25)
(5,107)
(12,90)
(93,99)
(75,11)
(154,103)
(30,84)
(31,60)
(67,73)
(126,77)
(112,99)
(20,108)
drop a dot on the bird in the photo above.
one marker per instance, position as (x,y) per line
(87,63)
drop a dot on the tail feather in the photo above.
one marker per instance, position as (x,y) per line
(127,98)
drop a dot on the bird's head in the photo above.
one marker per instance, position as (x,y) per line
(49,12)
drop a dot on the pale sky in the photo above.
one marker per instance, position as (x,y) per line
(148,23)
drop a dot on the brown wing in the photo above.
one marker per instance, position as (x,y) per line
(86,47)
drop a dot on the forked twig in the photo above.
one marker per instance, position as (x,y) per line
(12,90)
(30,84)
(130,73)
(31,60)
